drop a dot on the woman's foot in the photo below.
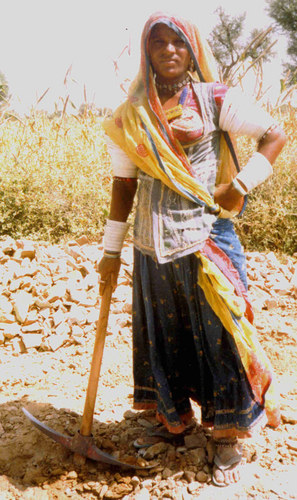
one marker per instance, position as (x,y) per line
(227,462)
(157,434)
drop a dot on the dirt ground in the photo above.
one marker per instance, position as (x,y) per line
(52,385)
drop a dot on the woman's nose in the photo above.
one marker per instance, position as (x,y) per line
(170,48)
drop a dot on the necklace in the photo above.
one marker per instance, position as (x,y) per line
(172,88)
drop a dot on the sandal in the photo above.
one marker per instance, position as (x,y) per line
(158,434)
(226,465)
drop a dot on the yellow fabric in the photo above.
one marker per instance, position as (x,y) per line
(132,134)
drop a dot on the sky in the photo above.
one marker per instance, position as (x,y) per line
(70,46)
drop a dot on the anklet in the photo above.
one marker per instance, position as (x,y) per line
(226,443)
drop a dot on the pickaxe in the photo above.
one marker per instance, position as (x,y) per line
(82,444)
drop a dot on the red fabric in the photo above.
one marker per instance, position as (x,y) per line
(220,91)
(216,255)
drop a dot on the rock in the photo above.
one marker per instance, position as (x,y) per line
(56,341)
(210,449)
(195,441)
(189,476)
(22,301)
(10,330)
(33,327)
(5,305)
(32,340)
(292,444)
(58,317)
(56,292)
(155,450)
(103,491)
(202,476)
(193,487)
(167,473)
(142,495)
(270,304)
(77,315)
(63,329)
(289,416)
(198,456)
(7,318)
(82,240)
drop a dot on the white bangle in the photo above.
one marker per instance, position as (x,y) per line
(256,171)
(114,235)
(239,187)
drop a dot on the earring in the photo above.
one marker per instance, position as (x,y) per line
(191,66)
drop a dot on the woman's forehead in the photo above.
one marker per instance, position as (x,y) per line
(161,29)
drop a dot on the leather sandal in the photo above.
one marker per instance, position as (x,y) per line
(229,464)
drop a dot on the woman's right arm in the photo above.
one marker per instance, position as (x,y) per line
(122,197)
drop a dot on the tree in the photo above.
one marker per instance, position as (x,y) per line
(285,16)
(230,48)
(4,89)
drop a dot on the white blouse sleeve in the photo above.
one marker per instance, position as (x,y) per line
(121,164)
(241,116)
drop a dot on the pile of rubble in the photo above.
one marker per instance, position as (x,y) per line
(49,294)
(272,282)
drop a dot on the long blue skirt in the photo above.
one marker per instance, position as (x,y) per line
(181,351)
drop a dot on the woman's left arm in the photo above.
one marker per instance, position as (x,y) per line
(271,144)
(238,117)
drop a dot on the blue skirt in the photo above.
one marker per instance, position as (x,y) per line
(181,352)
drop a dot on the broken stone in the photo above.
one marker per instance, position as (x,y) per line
(58,317)
(195,441)
(270,304)
(33,327)
(82,240)
(18,346)
(22,301)
(6,318)
(5,305)
(63,329)
(56,341)
(77,315)
(155,450)
(10,330)
(56,292)
(32,340)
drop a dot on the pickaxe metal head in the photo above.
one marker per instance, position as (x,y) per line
(81,445)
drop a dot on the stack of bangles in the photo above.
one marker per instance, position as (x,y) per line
(256,171)
(114,235)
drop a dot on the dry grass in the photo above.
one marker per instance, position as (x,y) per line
(56,179)
(270,219)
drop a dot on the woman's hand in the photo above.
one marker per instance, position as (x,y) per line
(109,269)
(228,197)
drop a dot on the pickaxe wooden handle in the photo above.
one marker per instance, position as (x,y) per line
(87,418)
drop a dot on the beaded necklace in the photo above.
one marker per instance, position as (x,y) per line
(172,88)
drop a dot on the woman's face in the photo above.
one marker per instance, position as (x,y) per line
(168,54)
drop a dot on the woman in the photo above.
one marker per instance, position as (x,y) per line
(192,322)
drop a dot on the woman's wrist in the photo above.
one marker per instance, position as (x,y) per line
(239,187)
(256,171)
(114,236)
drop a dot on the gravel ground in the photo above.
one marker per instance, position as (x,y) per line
(52,385)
